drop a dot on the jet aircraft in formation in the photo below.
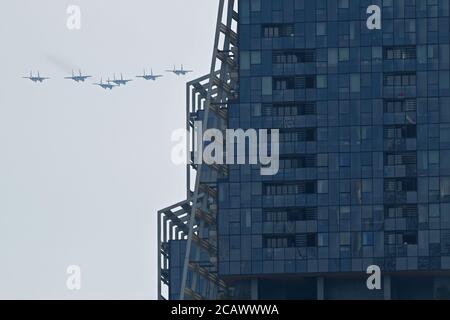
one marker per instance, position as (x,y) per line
(180,72)
(110,84)
(150,76)
(36,79)
(105,86)
(120,81)
(78,78)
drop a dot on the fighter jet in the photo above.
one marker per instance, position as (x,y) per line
(150,76)
(179,72)
(78,78)
(105,85)
(119,82)
(36,79)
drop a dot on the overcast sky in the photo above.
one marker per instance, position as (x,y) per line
(82,170)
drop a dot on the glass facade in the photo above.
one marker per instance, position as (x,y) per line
(364,119)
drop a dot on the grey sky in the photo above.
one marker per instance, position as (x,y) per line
(82,170)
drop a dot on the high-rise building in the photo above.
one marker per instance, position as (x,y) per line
(360,91)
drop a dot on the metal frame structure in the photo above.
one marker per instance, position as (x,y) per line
(194,220)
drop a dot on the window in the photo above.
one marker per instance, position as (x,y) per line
(433,157)
(400,105)
(367,239)
(322,160)
(445,135)
(298,135)
(289,109)
(290,214)
(290,188)
(256,110)
(255,5)
(355,83)
(284,83)
(245,60)
(344,54)
(278,30)
(343,4)
(434,210)
(399,79)
(333,57)
(305,82)
(322,186)
(403,158)
(321,29)
(298,161)
(344,239)
(279,241)
(307,240)
(377,54)
(445,189)
(255,57)
(409,238)
(400,185)
(407,131)
(267,86)
(401,238)
(444,56)
(293,56)
(275,216)
(294,82)
(322,82)
(322,240)
(301,240)
(401,211)
(400,53)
